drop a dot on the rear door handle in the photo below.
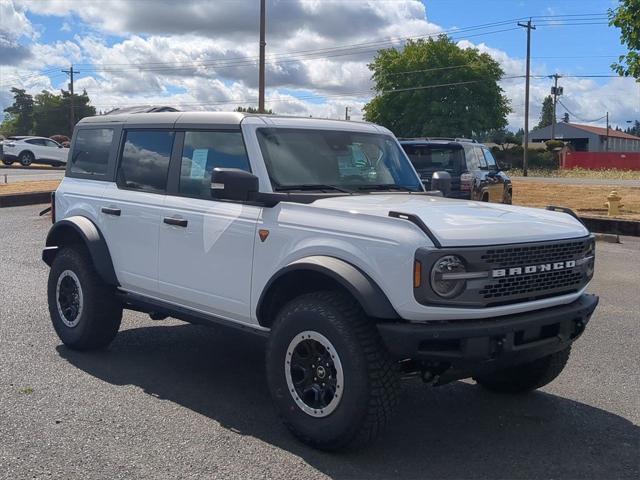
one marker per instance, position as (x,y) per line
(111,211)
(178,222)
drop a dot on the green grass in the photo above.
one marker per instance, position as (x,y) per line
(608,174)
(26,390)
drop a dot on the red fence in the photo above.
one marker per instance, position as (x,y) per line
(600,160)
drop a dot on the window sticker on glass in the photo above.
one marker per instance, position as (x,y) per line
(199,162)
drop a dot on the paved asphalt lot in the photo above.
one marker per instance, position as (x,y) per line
(172,400)
(580,181)
(30,174)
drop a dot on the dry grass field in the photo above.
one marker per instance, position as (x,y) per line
(584,199)
(32,186)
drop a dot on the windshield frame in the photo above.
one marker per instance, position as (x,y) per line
(411,183)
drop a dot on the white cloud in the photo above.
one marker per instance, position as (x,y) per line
(202,55)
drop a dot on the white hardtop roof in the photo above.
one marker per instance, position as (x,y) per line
(228,118)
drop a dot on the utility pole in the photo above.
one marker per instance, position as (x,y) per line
(556,92)
(261,67)
(607,138)
(346,113)
(72,119)
(529,27)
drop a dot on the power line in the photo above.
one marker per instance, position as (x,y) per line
(574,115)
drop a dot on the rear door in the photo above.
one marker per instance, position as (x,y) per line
(131,208)
(36,145)
(206,246)
(495,181)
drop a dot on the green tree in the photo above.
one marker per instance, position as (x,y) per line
(51,112)
(627,18)
(565,117)
(435,88)
(546,114)
(20,113)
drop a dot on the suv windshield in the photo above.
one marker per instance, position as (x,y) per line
(435,157)
(335,160)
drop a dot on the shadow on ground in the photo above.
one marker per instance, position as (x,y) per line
(455,431)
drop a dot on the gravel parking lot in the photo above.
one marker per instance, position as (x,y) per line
(172,400)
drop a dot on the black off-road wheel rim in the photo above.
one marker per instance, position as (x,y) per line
(314,374)
(69,298)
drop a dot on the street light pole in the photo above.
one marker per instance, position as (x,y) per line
(262,60)
(529,27)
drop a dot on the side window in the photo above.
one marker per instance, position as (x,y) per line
(204,151)
(35,141)
(481,160)
(50,143)
(488,156)
(90,153)
(145,160)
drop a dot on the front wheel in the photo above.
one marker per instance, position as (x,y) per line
(528,376)
(26,159)
(84,311)
(331,380)
(508,199)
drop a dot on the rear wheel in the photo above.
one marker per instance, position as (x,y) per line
(84,311)
(7,162)
(528,376)
(26,159)
(331,379)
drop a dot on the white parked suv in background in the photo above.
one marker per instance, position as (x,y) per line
(28,150)
(318,235)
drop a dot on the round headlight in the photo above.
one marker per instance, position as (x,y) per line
(443,278)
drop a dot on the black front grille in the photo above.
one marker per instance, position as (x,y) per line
(534,284)
(506,267)
(533,254)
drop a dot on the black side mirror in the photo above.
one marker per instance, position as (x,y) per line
(441,181)
(233,184)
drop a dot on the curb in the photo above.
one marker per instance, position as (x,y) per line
(32,167)
(607,237)
(21,199)
(612,226)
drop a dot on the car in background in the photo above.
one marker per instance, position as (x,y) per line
(475,174)
(28,150)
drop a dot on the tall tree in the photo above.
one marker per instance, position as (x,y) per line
(435,88)
(51,112)
(627,18)
(546,114)
(20,112)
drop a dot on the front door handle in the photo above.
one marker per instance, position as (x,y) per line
(111,211)
(178,222)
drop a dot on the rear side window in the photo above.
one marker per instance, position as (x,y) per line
(204,151)
(435,157)
(91,151)
(488,156)
(145,160)
(35,141)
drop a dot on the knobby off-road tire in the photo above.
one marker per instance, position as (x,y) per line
(366,394)
(84,311)
(526,377)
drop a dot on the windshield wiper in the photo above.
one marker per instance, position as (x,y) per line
(312,186)
(386,186)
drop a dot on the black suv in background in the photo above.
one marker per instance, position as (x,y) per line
(475,174)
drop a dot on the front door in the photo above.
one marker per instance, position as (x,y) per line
(495,181)
(206,246)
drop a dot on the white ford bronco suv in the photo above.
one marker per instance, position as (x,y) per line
(318,235)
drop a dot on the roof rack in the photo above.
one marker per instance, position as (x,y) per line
(451,139)
(142,109)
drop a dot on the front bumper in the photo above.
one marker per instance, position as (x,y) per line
(467,348)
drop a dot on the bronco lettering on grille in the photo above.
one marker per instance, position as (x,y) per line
(544,267)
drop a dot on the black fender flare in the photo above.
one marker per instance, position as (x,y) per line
(363,288)
(72,228)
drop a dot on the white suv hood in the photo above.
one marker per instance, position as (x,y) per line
(462,222)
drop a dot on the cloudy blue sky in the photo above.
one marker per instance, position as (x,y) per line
(201,54)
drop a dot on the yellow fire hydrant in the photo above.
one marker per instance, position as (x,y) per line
(613,204)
